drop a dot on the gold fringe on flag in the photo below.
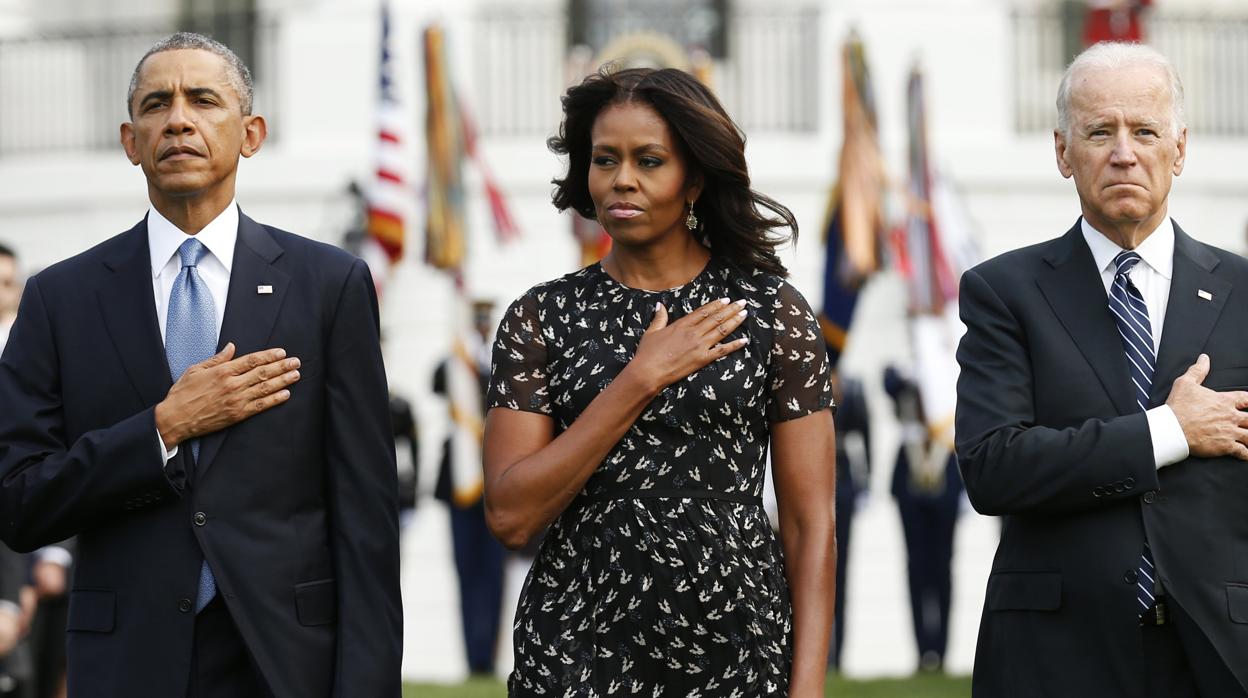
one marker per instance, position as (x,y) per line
(444,221)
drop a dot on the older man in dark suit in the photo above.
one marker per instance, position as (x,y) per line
(201,399)
(1103,374)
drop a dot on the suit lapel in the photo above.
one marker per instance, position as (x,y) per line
(249,314)
(1074,290)
(128,307)
(1189,316)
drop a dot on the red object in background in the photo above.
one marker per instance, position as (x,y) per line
(1114,20)
(594,241)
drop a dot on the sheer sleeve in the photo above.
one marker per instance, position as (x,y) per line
(798,373)
(518,371)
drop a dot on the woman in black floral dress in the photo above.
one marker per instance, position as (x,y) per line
(632,407)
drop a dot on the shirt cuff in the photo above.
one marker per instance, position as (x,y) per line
(7,606)
(55,554)
(166,454)
(1169,443)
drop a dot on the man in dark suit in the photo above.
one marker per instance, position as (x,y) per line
(1099,415)
(237,530)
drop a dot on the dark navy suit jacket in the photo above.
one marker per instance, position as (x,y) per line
(294,508)
(1049,437)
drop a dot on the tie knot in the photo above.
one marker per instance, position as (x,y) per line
(1126,261)
(192,251)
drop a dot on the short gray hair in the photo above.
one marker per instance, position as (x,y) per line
(1116,55)
(236,72)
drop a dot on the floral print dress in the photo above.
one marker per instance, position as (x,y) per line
(663,578)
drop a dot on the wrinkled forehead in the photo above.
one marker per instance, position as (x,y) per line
(1141,92)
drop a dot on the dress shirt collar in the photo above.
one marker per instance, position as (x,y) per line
(219,236)
(1157,250)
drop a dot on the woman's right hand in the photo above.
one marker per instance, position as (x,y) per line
(668,353)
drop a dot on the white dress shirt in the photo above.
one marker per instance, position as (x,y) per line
(1152,277)
(163,241)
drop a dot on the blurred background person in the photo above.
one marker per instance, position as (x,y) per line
(17,607)
(406,455)
(10,291)
(1114,20)
(18,599)
(928,490)
(853,475)
(39,661)
(50,574)
(479,557)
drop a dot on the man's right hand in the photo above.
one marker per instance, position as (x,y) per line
(1211,421)
(223,391)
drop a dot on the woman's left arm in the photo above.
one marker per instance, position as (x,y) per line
(803,460)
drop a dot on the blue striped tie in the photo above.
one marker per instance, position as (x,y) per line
(191,337)
(1131,315)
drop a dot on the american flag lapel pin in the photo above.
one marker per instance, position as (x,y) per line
(268,290)
(1205,294)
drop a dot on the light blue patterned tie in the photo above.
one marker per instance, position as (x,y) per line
(1136,331)
(191,337)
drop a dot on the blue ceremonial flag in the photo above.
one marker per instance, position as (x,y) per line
(839,295)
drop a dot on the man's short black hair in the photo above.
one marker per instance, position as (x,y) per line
(6,251)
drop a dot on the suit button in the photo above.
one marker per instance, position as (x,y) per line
(1149,497)
(1130,577)
(1130,482)
(1097,492)
(200,518)
(184,605)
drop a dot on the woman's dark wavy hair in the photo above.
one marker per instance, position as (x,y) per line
(712,145)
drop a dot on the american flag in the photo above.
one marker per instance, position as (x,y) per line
(390,198)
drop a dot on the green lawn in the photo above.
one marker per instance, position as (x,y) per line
(917,687)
